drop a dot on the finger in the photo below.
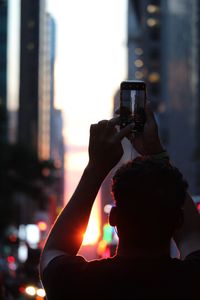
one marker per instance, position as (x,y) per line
(124,132)
(111,123)
(103,123)
(98,127)
(114,121)
(104,127)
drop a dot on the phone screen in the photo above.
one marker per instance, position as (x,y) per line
(133,100)
(132,103)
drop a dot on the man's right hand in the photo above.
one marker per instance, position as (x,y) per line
(147,142)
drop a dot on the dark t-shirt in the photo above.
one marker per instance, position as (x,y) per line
(122,278)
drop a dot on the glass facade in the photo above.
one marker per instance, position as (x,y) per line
(180,83)
(3,70)
(167,35)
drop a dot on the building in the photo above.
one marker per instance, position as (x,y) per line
(3,70)
(39,123)
(29,70)
(35,78)
(180,72)
(58,154)
(143,42)
(46,89)
(52,42)
(163,49)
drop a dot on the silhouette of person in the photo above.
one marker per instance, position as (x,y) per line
(152,206)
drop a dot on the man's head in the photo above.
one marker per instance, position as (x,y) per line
(149,196)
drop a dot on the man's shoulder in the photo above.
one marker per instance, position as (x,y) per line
(67,262)
(193,256)
(192,262)
(191,259)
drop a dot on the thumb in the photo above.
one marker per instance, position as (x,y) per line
(124,132)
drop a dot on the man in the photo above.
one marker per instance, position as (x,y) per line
(149,195)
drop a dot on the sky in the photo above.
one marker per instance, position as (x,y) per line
(91,61)
(90,64)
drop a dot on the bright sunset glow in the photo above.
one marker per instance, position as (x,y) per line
(92,234)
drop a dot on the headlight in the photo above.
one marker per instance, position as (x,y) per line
(41,293)
(30,290)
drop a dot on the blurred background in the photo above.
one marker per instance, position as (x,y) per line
(61,64)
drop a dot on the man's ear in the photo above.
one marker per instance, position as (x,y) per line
(113,216)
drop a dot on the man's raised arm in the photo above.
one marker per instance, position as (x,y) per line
(105,150)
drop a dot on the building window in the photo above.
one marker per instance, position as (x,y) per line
(30,46)
(139,63)
(153,9)
(138,51)
(152,22)
(139,75)
(31,24)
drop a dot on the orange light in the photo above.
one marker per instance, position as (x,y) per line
(154,77)
(101,247)
(42,226)
(39,297)
(92,234)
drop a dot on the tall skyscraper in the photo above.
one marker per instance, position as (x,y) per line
(40,124)
(3,70)
(36,109)
(35,78)
(29,74)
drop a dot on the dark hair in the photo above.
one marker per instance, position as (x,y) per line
(146,190)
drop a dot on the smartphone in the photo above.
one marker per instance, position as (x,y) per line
(132,104)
